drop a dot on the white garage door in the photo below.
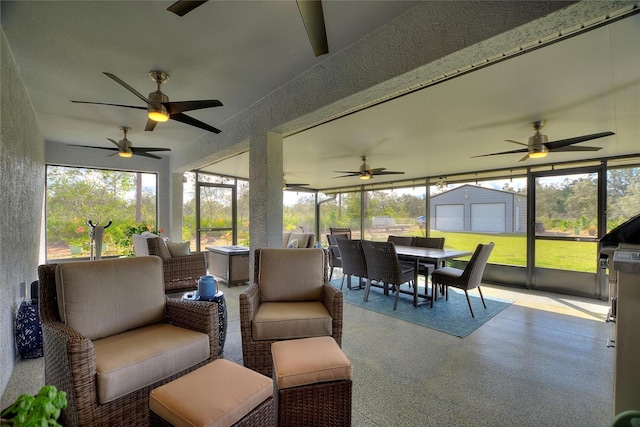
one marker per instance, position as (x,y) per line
(450,217)
(488,217)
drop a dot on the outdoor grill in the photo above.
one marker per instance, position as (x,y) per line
(624,236)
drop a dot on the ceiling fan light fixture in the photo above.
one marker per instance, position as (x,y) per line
(538,154)
(365,176)
(125,154)
(158,113)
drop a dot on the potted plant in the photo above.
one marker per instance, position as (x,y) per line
(41,410)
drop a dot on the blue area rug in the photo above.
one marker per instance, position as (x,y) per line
(452,316)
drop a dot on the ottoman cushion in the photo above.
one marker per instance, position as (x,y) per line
(308,361)
(218,394)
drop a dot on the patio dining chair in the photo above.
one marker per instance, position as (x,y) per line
(353,261)
(429,242)
(340,231)
(335,259)
(400,240)
(384,266)
(466,279)
(426,268)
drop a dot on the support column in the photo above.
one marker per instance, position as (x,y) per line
(265,196)
(175,232)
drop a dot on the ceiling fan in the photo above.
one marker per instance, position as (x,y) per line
(126,148)
(539,145)
(288,186)
(310,11)
(158,106)
(366,172)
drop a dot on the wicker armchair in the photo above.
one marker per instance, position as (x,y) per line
(384,266)
(71,362)
(466,279)
(289,285)
(181,273)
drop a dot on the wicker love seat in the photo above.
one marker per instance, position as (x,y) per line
(111,336)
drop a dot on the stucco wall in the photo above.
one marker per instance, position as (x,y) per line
(21,193)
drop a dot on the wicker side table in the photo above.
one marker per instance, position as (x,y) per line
(312,383)
(218,298)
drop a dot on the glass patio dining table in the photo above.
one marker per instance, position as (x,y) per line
(438,257)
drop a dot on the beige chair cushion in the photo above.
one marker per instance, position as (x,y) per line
(305,240)
(291,274)
(103,298)
(302,238)
(163,251)
(287,320)
(152,353)
(218,394)
(178,249)
(308,361)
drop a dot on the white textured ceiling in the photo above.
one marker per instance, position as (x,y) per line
(240,51)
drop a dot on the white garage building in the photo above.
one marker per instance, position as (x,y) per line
(477,209)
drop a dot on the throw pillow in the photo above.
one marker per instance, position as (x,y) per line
(178,249)
(293,244)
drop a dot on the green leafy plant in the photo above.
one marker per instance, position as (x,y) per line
(41,410)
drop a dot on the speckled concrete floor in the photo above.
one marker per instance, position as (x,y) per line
(541,362)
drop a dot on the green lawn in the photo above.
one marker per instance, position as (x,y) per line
(511,249)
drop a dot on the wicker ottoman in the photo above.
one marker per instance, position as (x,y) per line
(219,394)
(313,382)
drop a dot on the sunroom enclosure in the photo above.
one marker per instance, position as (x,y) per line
(545,219)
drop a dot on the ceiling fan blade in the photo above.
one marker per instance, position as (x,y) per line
(517,142)
(182,106)
(99,148)
(313,18)
(113,105)
(526,156)
(351,172)
(151,125)
(576,148)
(137,150)
(143,153)
(347,176)
(296,187)
(126,86)
(182,7)
(554,145)
(116,143)
(388,173)
(523,150)
(183,118)
(375,171)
